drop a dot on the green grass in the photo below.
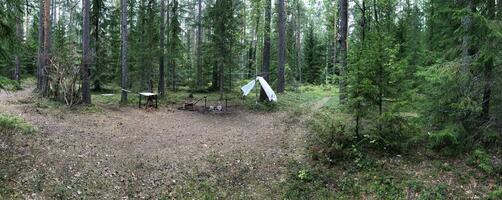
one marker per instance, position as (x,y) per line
(12,124)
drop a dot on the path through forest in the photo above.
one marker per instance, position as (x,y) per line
(149,149)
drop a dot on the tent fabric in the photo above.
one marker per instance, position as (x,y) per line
(246,89)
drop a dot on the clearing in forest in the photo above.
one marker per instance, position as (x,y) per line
(122,151)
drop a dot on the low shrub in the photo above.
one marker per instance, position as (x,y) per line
(396,134)
(481,160)
(11,124)
(447,140)
(8,84)
(333,136)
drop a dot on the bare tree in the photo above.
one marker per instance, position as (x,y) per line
(123,49)
(162,84)
(198,46)
(343,48)
(40,59)
(17,60)
(86,91)
(282,47)
(46,49)
(266,47)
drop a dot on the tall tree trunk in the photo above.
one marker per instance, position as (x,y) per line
(17,60)
(266,47)
(282,48)
(40,60)
(162,84)
(97,5)
(335,28)
(86,90)
(343,48)
(47,46)
(198,46)
(298,44)
(123,49)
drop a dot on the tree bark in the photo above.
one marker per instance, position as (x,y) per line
(298,42)
(86,90)
(343,48)
(46,50)
(40,60)
(266,47)
(162,84)
(17,60)
(123,49)
(97,5)
(198,46)
(282,47)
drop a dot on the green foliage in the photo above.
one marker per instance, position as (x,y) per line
(11,124)
(481,160)
(8,85)
(495,194)
(397,132)
(333,137)
(447,140)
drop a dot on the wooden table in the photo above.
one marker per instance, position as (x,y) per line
(150,97)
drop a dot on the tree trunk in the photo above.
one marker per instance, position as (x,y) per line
(46,51)
(86,90)
(266,47)
(282,48)
(162,84)
(343,48)
(17,60)
(40,60)
(335,41)
(298,42)
(198,46)
(96,12)
(123,49)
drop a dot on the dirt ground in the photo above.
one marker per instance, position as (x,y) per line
(126,152)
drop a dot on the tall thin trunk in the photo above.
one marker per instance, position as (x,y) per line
(162,43)
(97,12)
(17,60)
(335,39)
(198,45)
(282,48)
(86,90)
(40,60)
(343,48)
(266,47)
(46,50)
(298,41)
(123,49)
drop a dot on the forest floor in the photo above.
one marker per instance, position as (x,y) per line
(111,151)
(107,151)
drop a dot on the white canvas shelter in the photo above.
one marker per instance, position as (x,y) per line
(246,89)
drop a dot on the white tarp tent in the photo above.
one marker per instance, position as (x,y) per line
(246,89)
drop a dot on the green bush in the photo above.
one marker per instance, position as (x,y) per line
(332,138)
(447,140)
(397,132)
(9,85)
(481,160)
(11,124)
(495,194)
